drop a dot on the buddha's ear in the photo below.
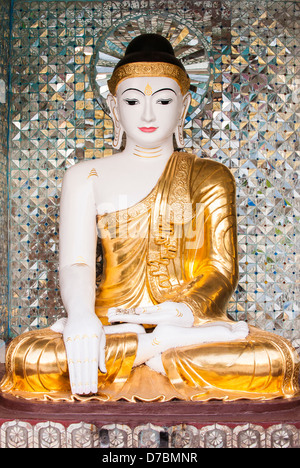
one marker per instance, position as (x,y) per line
(179,129)
(118,130)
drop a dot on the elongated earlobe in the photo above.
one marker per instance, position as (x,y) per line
(180,127)
(118,136)
(179,135)
(118,129)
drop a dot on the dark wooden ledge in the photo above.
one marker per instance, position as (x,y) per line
(284,411)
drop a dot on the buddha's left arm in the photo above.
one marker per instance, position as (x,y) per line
(211,263)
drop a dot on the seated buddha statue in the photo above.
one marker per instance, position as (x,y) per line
(156,328)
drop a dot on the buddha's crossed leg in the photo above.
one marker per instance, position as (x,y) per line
(165,337)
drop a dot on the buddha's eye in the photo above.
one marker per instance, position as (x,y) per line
(132,102)
(164,102)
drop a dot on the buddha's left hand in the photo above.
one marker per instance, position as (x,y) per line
(171,313)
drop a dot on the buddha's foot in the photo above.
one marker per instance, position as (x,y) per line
(239,330)
(156,364)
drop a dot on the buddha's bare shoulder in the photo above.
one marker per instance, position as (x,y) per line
(87,170)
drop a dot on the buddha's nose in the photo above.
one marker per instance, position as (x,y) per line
(148,114)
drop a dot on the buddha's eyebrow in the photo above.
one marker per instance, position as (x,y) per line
(164,89)
(158,91)
(133,89)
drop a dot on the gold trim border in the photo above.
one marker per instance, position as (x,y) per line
(151,69)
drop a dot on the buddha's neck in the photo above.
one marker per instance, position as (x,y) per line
(162,151)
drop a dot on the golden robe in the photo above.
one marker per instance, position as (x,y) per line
(179,243)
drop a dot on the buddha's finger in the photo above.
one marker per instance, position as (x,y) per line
(102,344)
(93,363)
(148,310)
(140,319)
(85,369)
(131,312)
(78,365)
(72,378)
(71,367)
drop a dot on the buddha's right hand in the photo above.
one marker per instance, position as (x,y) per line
(84,340)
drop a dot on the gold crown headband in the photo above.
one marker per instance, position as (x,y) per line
(154,69)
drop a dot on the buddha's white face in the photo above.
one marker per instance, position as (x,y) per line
(149,109)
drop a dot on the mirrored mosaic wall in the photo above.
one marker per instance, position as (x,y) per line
(250,123)
(4,71)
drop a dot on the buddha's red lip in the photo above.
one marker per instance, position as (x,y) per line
(148,129)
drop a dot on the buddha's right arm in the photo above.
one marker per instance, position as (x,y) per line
(83,334)
(77,289)
(77,243)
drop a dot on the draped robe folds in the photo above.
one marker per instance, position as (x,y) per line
(177,244)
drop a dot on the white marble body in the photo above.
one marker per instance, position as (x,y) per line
(118,182)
